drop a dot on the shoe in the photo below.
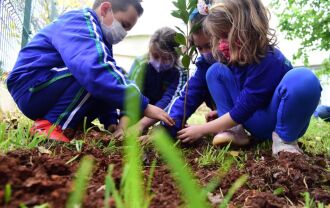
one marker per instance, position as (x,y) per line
(236,136)
(45,128)
(281,146)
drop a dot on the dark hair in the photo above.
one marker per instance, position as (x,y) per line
(121,5)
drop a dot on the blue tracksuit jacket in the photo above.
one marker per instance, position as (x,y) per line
(197,94)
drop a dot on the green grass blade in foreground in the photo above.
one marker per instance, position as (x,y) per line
(111,188)
(132,178)
(238,183)
(192,192)
(80,183)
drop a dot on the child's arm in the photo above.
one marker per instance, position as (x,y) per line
(197,89)
(192,133)
(80,44)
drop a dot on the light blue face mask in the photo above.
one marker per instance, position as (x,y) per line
(208,57)
(114,33)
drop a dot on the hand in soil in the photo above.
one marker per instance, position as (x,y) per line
(144,140)
(210,116)
(190,134)
(157,113)
(119,134)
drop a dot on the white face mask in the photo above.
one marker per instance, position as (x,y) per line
(114,33)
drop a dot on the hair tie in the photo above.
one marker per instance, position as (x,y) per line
(203,7)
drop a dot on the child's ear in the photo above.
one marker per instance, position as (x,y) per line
(105,7)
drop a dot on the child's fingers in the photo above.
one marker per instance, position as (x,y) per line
(168,120)
(182,135)
(187,140)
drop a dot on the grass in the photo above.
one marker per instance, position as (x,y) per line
(80,183)
(316,141)
(213,156)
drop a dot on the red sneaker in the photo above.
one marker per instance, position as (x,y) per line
(44,127)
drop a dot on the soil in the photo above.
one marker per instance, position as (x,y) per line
(37,177)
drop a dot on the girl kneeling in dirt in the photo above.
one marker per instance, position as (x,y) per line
(255,86)
(158,74)
(197,87)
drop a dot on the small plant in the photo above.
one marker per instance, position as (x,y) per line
(213,156)
(279,191)
(187,52)
(309,201)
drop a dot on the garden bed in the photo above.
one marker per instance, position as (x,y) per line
(40,176)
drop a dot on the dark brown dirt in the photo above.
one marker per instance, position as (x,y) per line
(37,178)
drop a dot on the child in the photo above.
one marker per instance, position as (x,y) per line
(67,71)
(158,74)
(257,87)
(197,87)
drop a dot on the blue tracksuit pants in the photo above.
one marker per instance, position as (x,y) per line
(64,102)
(290,108)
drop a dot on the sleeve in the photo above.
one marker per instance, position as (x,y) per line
(137,71)
(80,44)
(197,89)
(178,80)
(258,89)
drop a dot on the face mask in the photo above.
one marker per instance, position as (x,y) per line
(224,49)
(158,66)
(208,57)
(114,33)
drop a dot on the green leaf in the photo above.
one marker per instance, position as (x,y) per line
(182,5)
(279,191)
(181,39)
(176,14)
(185,16)
(179,51)
(179,29)
(192,4)
(185,61)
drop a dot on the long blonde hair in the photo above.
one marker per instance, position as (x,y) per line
(245,23)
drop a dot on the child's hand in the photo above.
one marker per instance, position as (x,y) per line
(190,134)
(210,116)
(157,113)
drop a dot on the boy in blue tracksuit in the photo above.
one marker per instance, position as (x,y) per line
(197,86)
(67,71)
(158,74)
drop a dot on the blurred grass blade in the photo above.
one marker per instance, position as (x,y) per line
(80,183)
(151,175)
(238,183)
(7,193)
(133,179)
(191,191)
(110,187)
